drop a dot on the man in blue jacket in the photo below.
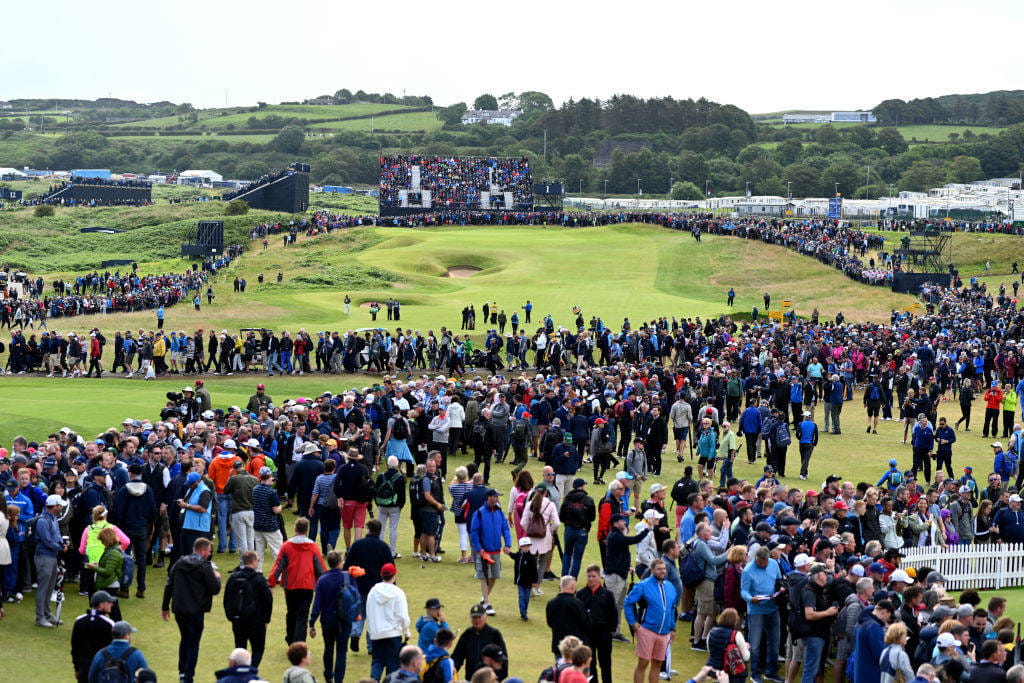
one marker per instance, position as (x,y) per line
(869,641)
(490,536)
(325,603)
(119,648)
(945,437)
(750,425)
(923,441)
(757,585)
(49,544)
(656,632)
(807,435)
(834,395)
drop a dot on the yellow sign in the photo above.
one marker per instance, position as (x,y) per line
(786,303)
(775,315)
(916,308)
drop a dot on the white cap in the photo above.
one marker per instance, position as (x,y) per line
(54,499)
(946,640)
(230,444)
(801,560)
(857,570)
(525,540)
(653,514)
(252,443)
(1015,498)
(902,576)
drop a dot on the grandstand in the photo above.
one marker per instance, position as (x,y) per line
(84,191)
(415,184)
(287,190)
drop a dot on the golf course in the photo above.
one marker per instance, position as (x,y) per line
(636,271)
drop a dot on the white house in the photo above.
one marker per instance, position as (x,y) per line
(501,117)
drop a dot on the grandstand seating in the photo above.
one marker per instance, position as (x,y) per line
(287,190)
(84,194)
(414,183)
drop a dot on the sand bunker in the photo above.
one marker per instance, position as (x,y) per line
(463,271)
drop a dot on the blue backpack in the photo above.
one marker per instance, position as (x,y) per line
(127,570)
(349,607)
(691,572)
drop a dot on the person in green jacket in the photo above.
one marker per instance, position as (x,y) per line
(1009,408)
(108,568)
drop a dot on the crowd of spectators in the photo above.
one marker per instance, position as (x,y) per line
(455,182)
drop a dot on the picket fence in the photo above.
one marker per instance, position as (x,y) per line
(989,566)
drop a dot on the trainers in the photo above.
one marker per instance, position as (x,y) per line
(699,646)
(490,610)
(548,576)
(621,638)
(43,624)
(664,676)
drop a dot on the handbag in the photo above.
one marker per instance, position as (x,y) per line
(537,527)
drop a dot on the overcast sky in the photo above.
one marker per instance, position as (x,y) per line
(761,56)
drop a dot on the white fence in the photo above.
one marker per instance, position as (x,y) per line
(989,566)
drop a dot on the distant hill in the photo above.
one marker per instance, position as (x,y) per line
(997,108)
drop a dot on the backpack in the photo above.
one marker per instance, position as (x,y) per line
(348,609)
(432,671)
(895,478)
(553,673)
(620,409)
(115,669)
(519,432)
(416,491)
(732,658)
(400,430)
(691,573)
(719,594)
(127,570)
(239,600)
(682,489)
(479,434)
(873,393)
(782,436)
(387,495)
(29,544)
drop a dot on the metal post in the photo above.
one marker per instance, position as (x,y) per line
(638,188)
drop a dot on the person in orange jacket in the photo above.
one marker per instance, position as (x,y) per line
(220,470)
(993,404)
(298,566)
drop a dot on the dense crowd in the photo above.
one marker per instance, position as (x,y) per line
(765,571)
(455,182)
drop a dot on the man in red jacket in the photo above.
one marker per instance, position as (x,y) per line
(299,564)
(993,404)
(95,353)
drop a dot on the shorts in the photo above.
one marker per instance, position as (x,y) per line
(493,570)
(680,433)
(353,514)
(794,649)
(705,462)
(873,408)
(430,521)
(844,649)
(162,526)
(650,645)
(705,596)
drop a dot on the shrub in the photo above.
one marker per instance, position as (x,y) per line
(44,211)
(236,207)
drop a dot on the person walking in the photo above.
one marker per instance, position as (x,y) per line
(617,564)
(239,488)
(469,653)
(807,437)
(389,496)
(266,506)
(336,626)
(656,630)
(91,633)
(705,590)
(119,652)
(299,564)
(757,587)
(602,621)
(369,554)
(49,545)
(248,605)
(566,615)
(191,585)
(135,510)
(578,513)
(387,621)
(490,535)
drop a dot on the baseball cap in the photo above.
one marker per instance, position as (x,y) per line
(840,504)
(265,470)
(525,541)
(230,444)
(492,492)
(968,468)
(1015,498)
(433,603)
(900,575)
(624,475)
(946,640)
(892,462)
(494,652)
(50,462)
(123,628)
(769,468)
(652,514)
(876,568)
(54,499)
(98,472)
(579,483)
(260,386)
(832,477)
(817,568)
(935,577)
(857,570)
(811,492)
(657,487)
(192,478)
(617,517)
(477,610)
(964,610)
(801,560)
(807,413)
(996,444)
(389,569)
(101,596)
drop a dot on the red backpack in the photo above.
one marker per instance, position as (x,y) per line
(732,658)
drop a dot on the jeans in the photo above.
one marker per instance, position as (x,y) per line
(139,543)
(385,657)
(388,517)
(814,649)
(242,531)
(335,653)
(298,601)
(190,630)
(725,471)
(524,600)
(575,545)
(46,577)
(758,626)
(223,516)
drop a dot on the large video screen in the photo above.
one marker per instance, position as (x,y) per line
(444,182)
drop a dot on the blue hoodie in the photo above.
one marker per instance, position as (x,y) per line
(661,597)
(428,628)
(869,641)
(432,652)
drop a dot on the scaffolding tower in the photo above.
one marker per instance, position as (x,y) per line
(923,251)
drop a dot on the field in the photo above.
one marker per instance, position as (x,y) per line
(221,118)
(911,133)
(631,270)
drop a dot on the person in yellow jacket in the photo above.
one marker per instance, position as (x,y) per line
(1009,408)
(92,547)
(160,354)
